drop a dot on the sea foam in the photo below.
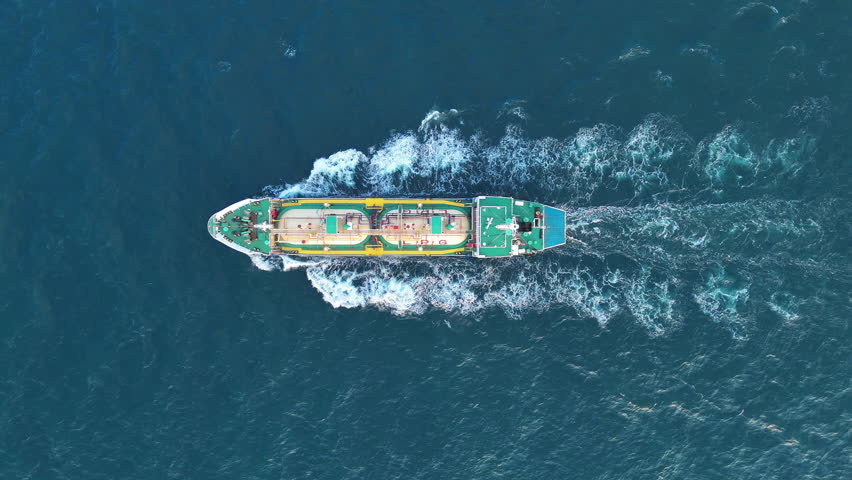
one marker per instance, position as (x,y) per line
(663,239)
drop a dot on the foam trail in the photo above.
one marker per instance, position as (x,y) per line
(673,235)
(330,176)
(724,298)
(284,264)
(441,160)
(785,305)
(697,207)
(731,164)
(656,158)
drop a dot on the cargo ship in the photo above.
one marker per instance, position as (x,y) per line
(481,227)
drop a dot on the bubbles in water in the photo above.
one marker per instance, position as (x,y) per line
(351,289)
(724,298)
(334,175)
(464,288)
(634,53)
(729,158)
(514,108)
(651,301)
(288,49)
(729,162)
(284,263)
(627,260)
(672,236)
(263,263)
(656,157)
(812,110)
(789,156)
(785,305)
(440,160)
(649,148)
(756,14)
(663,80)
(824,69)
(701,50)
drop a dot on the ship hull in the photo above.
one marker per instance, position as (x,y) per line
(481,227)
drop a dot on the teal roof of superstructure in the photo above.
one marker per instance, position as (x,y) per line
(554,235)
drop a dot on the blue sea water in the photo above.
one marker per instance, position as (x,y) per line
(697,327)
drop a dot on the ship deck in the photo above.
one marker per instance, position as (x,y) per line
(483,227)
(370,226)
(538,227)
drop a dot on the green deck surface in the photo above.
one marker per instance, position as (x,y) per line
(497,211)
(436,225)
(331,224)
(493,212)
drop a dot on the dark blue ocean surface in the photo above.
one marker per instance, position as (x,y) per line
(698,327)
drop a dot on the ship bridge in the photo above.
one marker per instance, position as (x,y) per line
(506,227)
